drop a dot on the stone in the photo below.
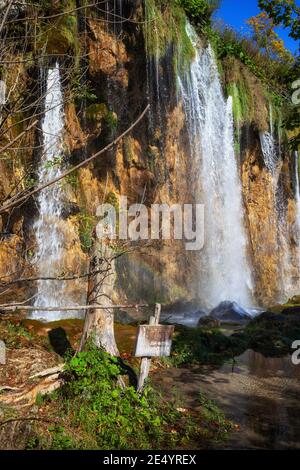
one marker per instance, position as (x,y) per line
(230,312)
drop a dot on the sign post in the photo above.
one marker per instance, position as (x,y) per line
(153,340)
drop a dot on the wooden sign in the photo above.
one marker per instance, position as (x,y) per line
(154,341)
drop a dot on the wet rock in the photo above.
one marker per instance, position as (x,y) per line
(230,312)
(69,209)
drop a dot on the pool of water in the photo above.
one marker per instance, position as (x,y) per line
(260,395)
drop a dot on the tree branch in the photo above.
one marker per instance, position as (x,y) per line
(80,165)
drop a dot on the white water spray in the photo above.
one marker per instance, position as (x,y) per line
(268,147)
(49,227)
(226,274)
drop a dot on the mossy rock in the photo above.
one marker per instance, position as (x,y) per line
(99,111)
(61,36)
(271,334)
(96,111)
(204,346)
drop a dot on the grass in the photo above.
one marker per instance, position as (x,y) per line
(14,334)
(219,426)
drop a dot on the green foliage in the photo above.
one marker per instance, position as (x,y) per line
(12,334)
(82,91)
(165,32)
(199,10)
(271,334)
(86,227)
(227,42)
(292,124)
(283,12)
(113,200)
(213,415)
(60,438)
(73,181)
(97,413)
(202,346)
(54,163)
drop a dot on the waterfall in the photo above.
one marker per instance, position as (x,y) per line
(268,147)
(286,263)
(49,227)
(225,272)
(297,207)
(154,77)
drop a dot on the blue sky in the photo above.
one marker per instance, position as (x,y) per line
(236,12)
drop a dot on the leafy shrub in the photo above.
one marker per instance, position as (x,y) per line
(199,10)
(192,346)
(97,413)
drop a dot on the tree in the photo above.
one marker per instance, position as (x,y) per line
(287,14)
(283,13)
(265,36)
(32,36)
(199,11)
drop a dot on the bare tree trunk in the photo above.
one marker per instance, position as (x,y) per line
(99,323)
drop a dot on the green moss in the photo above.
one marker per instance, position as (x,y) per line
(165,30)
(241,100)
(113,200)
(111,120)
(253,102)
(128,150)
(61,34)
(96,111)
(86,227)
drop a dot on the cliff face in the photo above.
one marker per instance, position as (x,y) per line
(151,165)
(261,195)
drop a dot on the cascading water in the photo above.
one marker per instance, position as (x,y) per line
(226,274)
(49,227)
(286,269)
(297,187)
(297,207)
(268,147)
